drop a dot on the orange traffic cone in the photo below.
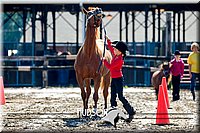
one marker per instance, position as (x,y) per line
(162,117)
(2,96)
(164,84)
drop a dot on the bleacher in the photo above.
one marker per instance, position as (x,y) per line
(185,82)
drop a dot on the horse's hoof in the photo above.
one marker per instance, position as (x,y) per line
(105,112)
(95,111)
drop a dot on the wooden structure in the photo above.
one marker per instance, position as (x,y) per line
(125,7)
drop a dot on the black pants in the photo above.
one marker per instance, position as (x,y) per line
(176,87)
(117,88)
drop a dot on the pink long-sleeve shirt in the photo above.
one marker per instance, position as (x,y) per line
(177,67)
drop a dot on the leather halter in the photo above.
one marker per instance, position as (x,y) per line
(97,13)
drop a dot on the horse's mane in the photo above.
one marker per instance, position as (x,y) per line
(99,42)
(161,66)
(97,33)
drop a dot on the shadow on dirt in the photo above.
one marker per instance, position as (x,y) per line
(76,122)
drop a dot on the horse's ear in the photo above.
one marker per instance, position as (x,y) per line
(161,66)
(84,11)
(103,15)
(166,63)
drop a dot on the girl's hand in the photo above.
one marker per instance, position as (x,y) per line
(107,37)
(103,58)
(181,77)
(190,76)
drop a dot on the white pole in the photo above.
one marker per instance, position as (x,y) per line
(83,23)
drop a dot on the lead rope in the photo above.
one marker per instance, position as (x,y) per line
(104,49)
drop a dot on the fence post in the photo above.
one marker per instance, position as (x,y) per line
(45,73)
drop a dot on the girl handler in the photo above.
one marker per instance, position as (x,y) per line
(118,52)
(177,71)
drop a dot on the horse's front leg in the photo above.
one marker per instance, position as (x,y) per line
(80,81)
(88,91)
(97,82)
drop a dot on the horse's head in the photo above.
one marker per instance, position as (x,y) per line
(166,68)
(94,16)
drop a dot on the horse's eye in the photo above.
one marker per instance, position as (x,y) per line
(90,13)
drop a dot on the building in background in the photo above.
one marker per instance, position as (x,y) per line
(150,29)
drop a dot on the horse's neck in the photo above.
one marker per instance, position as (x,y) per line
(162,71)
(90,40)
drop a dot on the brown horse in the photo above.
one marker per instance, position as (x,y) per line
(88,60)
(156,78)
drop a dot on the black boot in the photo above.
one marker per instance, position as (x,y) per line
(130,117)
(130,111)
(193,94)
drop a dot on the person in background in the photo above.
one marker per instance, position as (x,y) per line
(118,52)
(194,70)
(177,71)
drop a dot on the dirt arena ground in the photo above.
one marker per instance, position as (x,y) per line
(57,110)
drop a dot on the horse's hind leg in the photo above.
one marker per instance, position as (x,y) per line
(105,86)
(156,92)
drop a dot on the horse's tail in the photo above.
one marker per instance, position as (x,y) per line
(102,83)
(169,79)
(105,81)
